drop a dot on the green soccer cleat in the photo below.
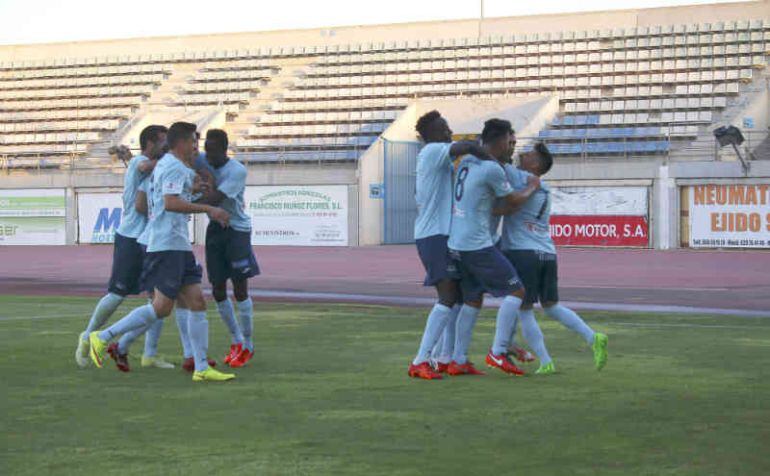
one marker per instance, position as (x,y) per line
(211,375)
(547,369)
(600,350)
(81,354)
(97,348)
(157,362)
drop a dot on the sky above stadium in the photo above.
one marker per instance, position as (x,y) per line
(43,21)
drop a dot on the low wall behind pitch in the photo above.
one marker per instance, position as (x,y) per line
(300,204)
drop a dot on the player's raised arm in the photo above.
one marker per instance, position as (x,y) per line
(174,203)
(466,147)
(512,202)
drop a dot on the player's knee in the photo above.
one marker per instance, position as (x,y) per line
(527,307)
(241,290)
(220,292)
(519,293)
(548,306)
(197,302)
(475,304)
(162,308)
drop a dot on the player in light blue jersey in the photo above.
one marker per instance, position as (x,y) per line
(128,255)
(484,269)
(229,255)
(170,269)
(431,232)
(526,242)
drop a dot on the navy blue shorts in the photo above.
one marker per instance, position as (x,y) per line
(169,271)
(229,255)
(127,263)
(486,271)
(435,257)
(539,273)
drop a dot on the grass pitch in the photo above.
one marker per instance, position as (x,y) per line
(327,393)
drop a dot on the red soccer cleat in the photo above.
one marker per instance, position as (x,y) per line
(441,367)
(242,358)
(423,371)
(454,369)
(120,360)
(235,351)
(503,363)
(188,364)
(522,355)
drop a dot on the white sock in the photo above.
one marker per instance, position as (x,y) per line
(125,341)
(434,326)
(199,337)
(104,309)
(139,317)
(245,315)
(534,335)
(507,316)
(571,321)
(182,323)
(151,338)
(227,312)
(447,341)
(466,319)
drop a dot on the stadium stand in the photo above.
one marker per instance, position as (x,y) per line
(631,92)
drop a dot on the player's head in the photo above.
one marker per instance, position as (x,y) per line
(537,161)
(499,139)
(216,147)
(182,137)
(433,128)
(152,140)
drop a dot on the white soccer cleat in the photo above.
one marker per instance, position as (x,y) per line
(156,362)
(81,354)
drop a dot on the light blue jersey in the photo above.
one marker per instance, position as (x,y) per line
(528,228)
(132,224)
(144,186)
(477,184)
(168,230)
(434,190)
(231,181)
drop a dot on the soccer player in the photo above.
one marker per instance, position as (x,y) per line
(526,242)
(181,314)
(229,255)
(171,270)
(483,267)
(431,232)
(128,255)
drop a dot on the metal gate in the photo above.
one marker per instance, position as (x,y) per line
(400,207)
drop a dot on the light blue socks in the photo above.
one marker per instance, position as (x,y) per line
(507,316)
(227,312)
(466,320)
(138,318)
(199,337)
(534,336)
(246,317)
(104,309)
(571,321)
(434,326)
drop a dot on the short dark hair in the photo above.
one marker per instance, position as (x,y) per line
(179,131)
(216,139)
(425,121)
(150,134)
(544,156)
(495,129)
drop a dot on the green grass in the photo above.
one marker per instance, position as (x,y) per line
(327,393)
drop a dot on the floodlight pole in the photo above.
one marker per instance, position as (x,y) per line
(481,15)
